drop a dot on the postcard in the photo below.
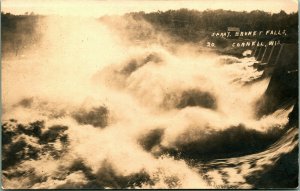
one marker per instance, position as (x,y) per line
(151,94)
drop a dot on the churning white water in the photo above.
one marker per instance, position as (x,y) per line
(133,114)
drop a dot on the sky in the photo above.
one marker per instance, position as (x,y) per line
(101,7)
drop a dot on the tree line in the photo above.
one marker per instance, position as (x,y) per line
(193,25)
(19,32)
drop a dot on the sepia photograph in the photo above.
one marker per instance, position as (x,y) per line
(149,94)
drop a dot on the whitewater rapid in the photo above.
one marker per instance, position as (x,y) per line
(91,109)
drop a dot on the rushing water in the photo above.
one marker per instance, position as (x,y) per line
(88,108)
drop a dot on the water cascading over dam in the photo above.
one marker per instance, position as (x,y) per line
(92,109)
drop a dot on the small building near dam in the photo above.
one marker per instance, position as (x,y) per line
(232,31)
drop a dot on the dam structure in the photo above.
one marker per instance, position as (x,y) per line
(280,64)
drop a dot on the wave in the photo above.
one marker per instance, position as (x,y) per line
(137,115)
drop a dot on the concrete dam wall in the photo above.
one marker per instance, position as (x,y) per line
(280,64)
